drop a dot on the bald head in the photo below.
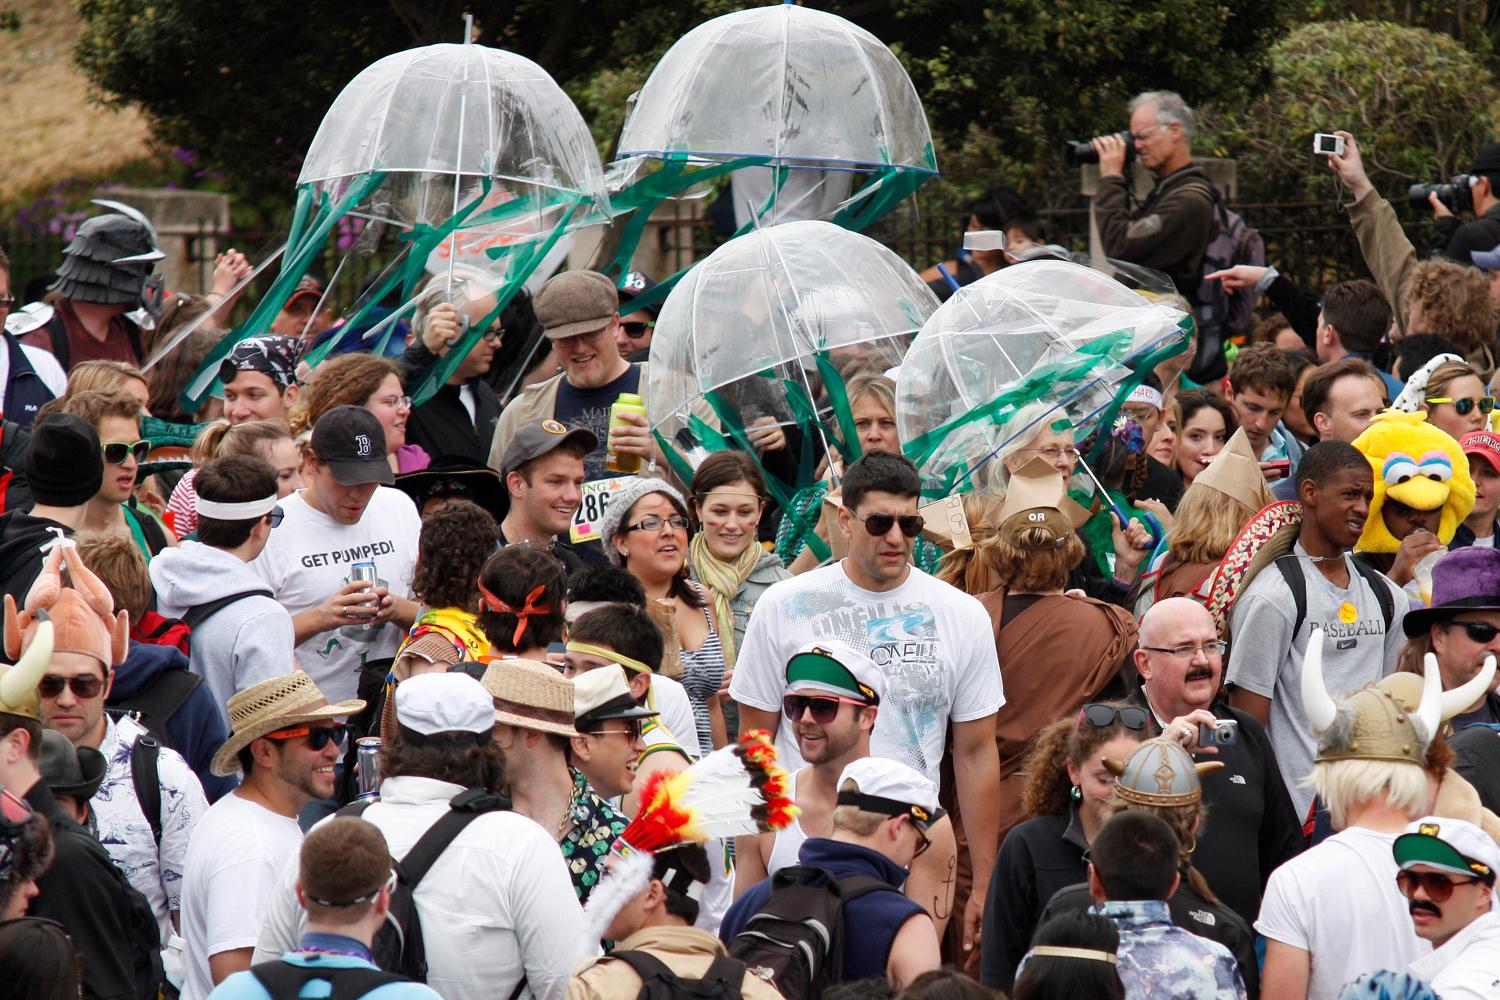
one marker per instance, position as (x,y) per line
(1180,682)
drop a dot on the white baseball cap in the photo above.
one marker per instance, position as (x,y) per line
(891,787)
(434,704)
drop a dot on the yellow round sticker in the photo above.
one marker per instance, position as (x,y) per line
(1347,614)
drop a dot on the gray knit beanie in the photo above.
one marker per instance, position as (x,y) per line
(620,502)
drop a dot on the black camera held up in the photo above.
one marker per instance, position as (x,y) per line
(1455,194)
(1076,153)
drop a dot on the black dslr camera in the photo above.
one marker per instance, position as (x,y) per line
(1076,153)
(1455,194)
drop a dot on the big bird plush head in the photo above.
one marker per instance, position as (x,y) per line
(1417,465)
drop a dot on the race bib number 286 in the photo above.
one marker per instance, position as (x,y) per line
(596,496)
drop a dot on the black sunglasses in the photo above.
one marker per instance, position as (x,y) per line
(51,685)
(1100,715)
(1480,632)
(317,738)
(635,331)
(1437,886)
(825,708)
(274,518)
(115,452)
(881,524)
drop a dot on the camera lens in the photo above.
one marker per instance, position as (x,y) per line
(1076,153)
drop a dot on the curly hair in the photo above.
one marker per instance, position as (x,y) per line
(511,575)
(1046,767)
(443,758)
(1455,303)
(349,379)
(456,540)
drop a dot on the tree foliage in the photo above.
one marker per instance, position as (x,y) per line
(1415,99)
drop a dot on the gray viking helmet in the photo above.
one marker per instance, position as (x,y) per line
(110,260)
(1160,773)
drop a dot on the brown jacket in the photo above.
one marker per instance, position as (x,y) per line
(687,951)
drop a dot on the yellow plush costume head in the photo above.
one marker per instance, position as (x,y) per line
(1418,465)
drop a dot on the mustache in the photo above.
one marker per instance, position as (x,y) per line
(1200,673)
(1419,904)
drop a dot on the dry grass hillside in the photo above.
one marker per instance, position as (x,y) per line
(52,130)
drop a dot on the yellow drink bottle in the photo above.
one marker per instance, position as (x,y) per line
(628,402)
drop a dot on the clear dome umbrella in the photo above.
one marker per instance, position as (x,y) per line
(766,330)
(1029,344)
(475,154)
(807,100)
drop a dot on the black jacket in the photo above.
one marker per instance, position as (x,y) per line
(1463,536)
(1477,748)
(1251,827)
(442,425)
(1455,240)
(1191,912)
(1038,858)
(21,539)
(111,923)
(14,442)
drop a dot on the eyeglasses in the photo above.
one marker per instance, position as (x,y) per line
(493,337)
(825,708)
(1437,886)
(1480,632)
(274,518)
(633,729)
(1053,452)
(82,686)
(881,524)
(654,523)
(396,402)
(923,841)
(1099,715)
(115,452)
(1466,405)
(635,331)
(317,738)
(1215,647)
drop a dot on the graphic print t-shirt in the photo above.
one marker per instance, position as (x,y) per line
(589,409)
(933,642)
(310,555)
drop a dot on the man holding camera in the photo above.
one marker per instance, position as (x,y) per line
(1456,240)
(1254,826)
(1170,230)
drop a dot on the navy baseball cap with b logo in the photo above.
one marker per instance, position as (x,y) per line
(351,442)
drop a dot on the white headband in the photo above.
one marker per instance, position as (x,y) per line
(1145,394)
(242,511)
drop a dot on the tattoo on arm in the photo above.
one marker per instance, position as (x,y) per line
(942,903)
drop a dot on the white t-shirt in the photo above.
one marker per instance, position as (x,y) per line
(933,642)
(236,851)
(1338,901)
(308,557)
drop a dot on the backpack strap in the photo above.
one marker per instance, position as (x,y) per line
(159,701)
(200,613)
(722,978)
(57,332)
(282,979)
(1290,568)
(1382,590)
(145,775)
(463,809)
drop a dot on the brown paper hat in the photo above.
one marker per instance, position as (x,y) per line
(1235,472)
(1035,490)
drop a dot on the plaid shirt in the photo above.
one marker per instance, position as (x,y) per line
(593,826)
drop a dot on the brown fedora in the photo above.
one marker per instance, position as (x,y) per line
(275,704)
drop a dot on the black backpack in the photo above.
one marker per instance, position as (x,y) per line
(398,945)
(796,940)
(1291,571)
(721,981)
(284,981)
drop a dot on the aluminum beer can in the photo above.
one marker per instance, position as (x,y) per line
(367,757)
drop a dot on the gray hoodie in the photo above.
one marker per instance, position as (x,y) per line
(243,644)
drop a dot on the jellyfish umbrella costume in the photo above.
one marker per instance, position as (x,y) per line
(764,327)
(782,92)
(473,154)
(1028,346)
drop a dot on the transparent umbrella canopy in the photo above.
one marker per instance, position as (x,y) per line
(1029,344)
(807,99)
(475,153)
(766,327)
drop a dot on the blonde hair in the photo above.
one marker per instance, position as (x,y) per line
(854,819)
(1207,522)
(1346,785)
(970,570)
(220,439)
(104,376)
(1443,376)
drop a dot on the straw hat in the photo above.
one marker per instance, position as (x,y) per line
(275,704)
(531,695)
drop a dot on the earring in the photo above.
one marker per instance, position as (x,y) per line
(1076,794)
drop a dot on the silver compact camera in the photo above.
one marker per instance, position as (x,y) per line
(1328,144)
(1223,733)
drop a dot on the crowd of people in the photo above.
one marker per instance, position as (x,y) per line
(317,692)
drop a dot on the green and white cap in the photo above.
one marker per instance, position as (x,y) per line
(833,667)
(1450,845)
